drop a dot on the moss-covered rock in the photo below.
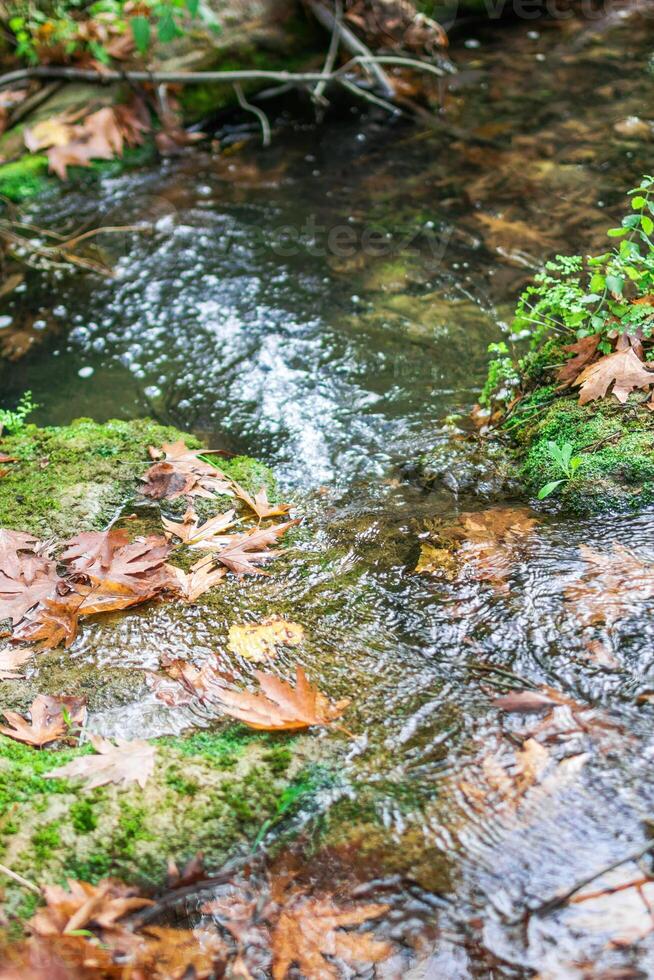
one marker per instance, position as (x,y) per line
(616,446)
(75,478)
(213,792)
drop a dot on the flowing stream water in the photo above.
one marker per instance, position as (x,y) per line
(324,305)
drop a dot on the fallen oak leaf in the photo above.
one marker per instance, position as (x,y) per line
(259,641)
(279,706)
(623,369)
(50,719)
(8,459)
(123,763)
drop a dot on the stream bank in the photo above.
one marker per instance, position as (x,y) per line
(334,369)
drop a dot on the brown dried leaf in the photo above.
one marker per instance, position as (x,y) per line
(436,561)
(56,131)
(613,585)
(525,702)
(584,351)
(259,503)
(623,369)
(259,641)
(12,546)
(203,577)
(281,707)
(183,473)
(488,541)
(10,660)
(250,549)
(59,958)
(164,953)
(312,929)
(83,904)
(207,535)
(47,722)
(123,763)
(109,555)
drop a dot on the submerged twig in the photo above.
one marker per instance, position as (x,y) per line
(556,901)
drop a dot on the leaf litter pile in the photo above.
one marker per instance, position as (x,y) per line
(46,589)
(257,921)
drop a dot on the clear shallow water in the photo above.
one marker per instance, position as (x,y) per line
(334,365)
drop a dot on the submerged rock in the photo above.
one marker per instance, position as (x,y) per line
(209,792)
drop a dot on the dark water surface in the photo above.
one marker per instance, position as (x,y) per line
(324,305)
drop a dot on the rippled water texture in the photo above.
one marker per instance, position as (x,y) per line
(256,309)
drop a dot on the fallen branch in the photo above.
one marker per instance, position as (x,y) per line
(227,77)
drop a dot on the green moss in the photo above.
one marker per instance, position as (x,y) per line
(24,178)
(210,792)
(616,445)
(44,841)
(536,366)
(92,469)
(302,37)
(250,473)
(82,816)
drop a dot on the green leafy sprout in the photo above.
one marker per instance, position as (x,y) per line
(13,420)
(567,464)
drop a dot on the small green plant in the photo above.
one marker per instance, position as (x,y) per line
(12,421)
(502,378)
(565,461)
(603,294)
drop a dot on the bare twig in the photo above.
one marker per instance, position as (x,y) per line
(352,43)
(20,880)
(330,60)
(259,113)
(363,93)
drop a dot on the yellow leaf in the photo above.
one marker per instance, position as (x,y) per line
(259,641)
